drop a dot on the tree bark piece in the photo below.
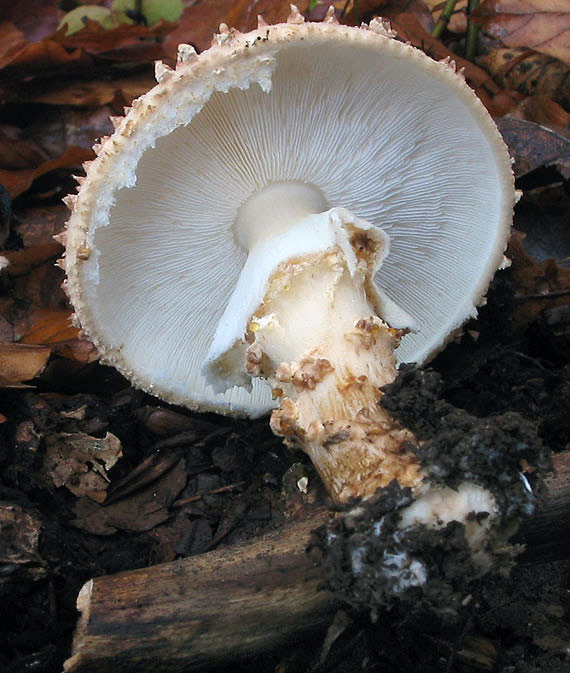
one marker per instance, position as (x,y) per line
(202,611)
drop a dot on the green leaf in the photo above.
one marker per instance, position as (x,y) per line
(152,10)
(77,18)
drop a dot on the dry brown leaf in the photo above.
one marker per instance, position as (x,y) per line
(81,92)
(201,20)
(65,126)
(76,54)
(20,362)
(12,42)
(81,462)
(51,327)
(243,13)
(353,12)
(95,39)
(544,111)
(37,19)
(541,25)
(496,100)
(17,182)
(530,73)
(45,58)
(21,262)
(80,350)
(533,146)
(418,8)
(140,511)
(538,285)
(37,225)
(19,535)
(17,152)
(38,290)
(54,328)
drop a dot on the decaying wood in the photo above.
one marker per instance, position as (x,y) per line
(232,603)
(202,611)
(547,534)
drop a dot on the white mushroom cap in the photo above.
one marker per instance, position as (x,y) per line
(374,125)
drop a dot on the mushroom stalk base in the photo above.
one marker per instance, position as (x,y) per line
(315,338)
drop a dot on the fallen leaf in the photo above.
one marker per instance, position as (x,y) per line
(54,328)
(544,111)
(533,146)
(81,92)
(417,8)
(95,39)
(51,327)
(76,19)
(80,350)
(46,58)
(33,292)
(243,13)
(36,19)
(140,511)
(17,152)
(81,462)
(152,10)
(529,72)
(77,54)
(12,42)
(65,126)
(19,535)
(21,362)
(542,25)
(356,11)
(21,262)
(75,414)
(538,285)
(37,225)
(17,182)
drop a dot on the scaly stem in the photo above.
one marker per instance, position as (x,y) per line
(318,342)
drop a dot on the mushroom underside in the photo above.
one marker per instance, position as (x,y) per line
(375,133)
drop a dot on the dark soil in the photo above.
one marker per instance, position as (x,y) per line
(216,481)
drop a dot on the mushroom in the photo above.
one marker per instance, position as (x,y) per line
(284,217)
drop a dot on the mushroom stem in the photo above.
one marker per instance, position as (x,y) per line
(329,385)
(317,339)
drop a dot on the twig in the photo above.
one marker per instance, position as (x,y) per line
(444,19)
(214,491)
(472,39)
(151,469)
(545,295)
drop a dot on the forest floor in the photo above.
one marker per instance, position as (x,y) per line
(169,484)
